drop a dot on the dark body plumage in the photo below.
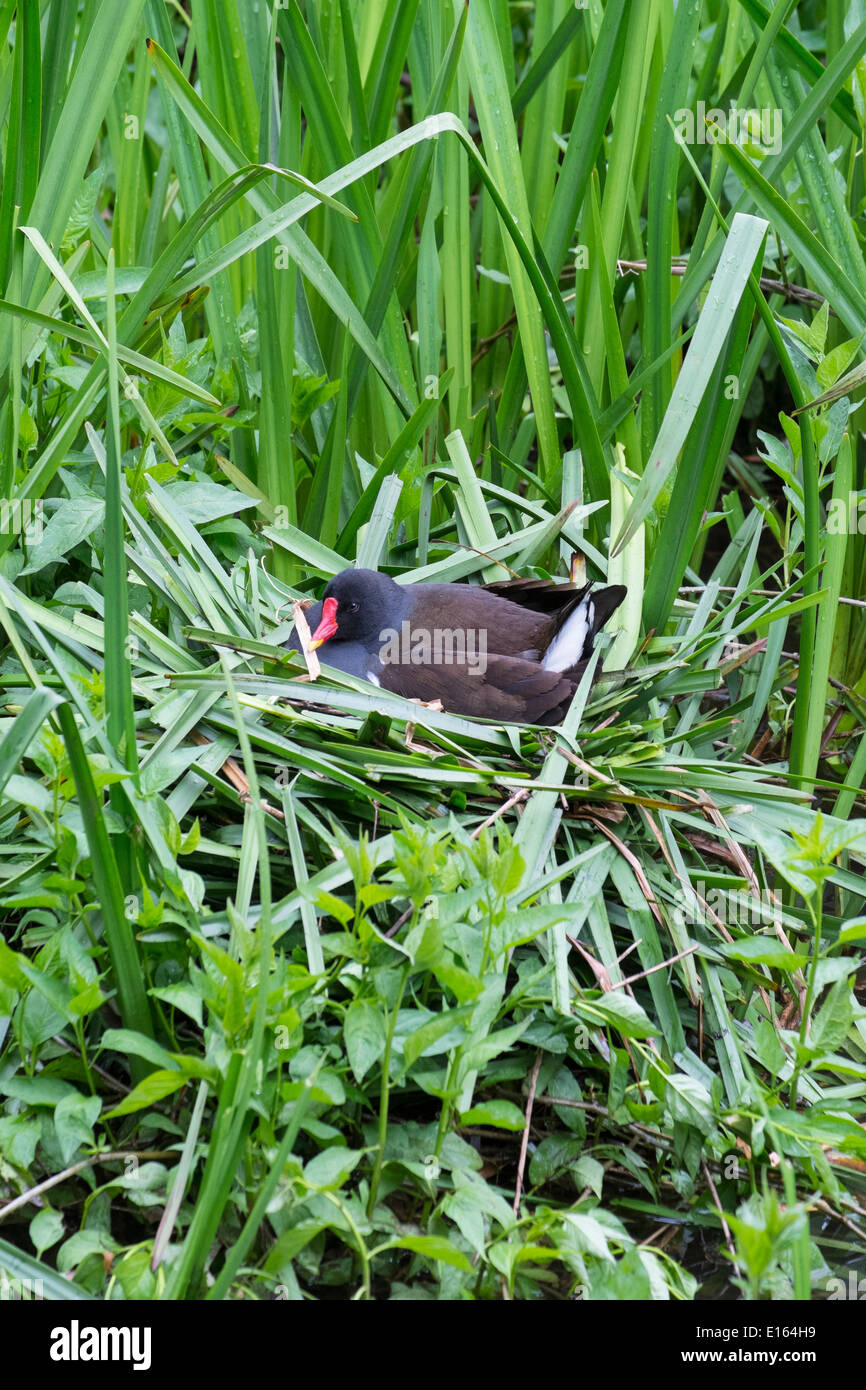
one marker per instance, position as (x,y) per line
(536,638)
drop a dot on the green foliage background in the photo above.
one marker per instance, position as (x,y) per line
(312,991)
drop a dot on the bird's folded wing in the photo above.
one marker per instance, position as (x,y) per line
(508,689)
(539,595)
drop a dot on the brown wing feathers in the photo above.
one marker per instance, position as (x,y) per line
(510,689)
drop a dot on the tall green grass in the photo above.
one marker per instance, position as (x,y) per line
(289,288)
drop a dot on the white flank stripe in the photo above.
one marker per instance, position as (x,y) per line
(566,649)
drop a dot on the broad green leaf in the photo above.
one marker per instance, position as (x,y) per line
(764,950)
(330,1168)
(433,1248)
(620,1011)
(501,1114)
(46,1229)
(74,1118)
(417,1042)
(364,1034)
(150,1091)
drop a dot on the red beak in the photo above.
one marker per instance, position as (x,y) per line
(328,626)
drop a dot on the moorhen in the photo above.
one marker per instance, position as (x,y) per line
(513,650)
